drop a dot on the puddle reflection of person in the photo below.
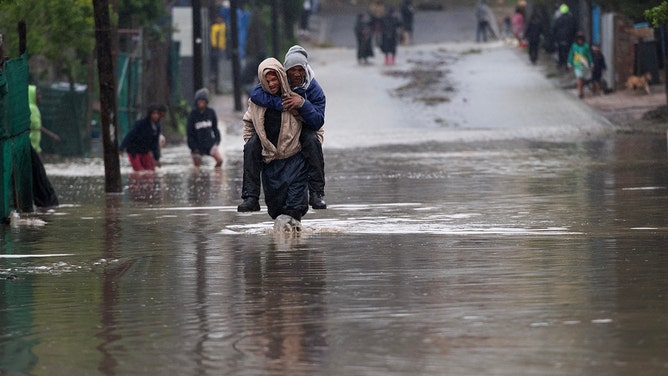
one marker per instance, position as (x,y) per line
(285,318)
(284,173)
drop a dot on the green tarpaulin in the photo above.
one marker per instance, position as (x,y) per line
(15,163)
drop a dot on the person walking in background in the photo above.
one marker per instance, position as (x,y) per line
(376,14)
(598,66)
(284,173)
(518,25)
(143,140)
(36,127)
(304,18)
(363,37)
(308,101)
(390,36)
(532,34)
(563,32)
(407,15)
(580,59)
(482,18)
(202,130)
(218,41)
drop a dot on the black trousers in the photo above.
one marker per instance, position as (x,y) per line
(253,164)
(563,48)
(533,51)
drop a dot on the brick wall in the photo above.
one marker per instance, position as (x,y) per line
(624,51)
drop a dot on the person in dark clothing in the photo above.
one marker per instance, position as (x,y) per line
(532,35)
(563,32)
(482,17)
(390,36)
(284,173)
(363,35)
(43,193)
(597,69)
(376,14)
(407,13)
(143,140)
(202,130)
(308,101)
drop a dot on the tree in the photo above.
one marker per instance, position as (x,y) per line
(60,31)
(657,15)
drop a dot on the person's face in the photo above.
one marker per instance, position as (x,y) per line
(296,75)
(201,104)
(273,83)
(156,116)
(580,41)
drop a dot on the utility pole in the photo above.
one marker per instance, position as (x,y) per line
(236,69)
(108,118)
(198,78)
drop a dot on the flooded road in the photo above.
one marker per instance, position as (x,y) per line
(503,232)
(492,258)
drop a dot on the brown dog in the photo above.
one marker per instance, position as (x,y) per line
(639,82)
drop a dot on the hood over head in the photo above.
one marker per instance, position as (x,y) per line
(202,93)
(269,65)
(156,107)
(295,56)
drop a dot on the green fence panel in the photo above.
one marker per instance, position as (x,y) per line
(63,110)
(16,166)
(128,88)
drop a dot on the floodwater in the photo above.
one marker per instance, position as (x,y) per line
(498,258)
(505,232)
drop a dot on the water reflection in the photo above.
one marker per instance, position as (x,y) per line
(284,303)
(145,187)
(110,283)
(17,341)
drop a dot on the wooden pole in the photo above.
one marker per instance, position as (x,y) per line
(108,111)
(23,37)
(198,75)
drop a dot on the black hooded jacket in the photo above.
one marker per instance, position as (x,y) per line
(202,130)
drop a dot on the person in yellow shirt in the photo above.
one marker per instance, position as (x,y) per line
(218,38)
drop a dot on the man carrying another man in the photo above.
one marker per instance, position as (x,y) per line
(309,105)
